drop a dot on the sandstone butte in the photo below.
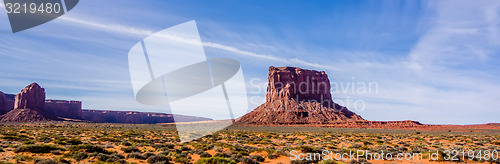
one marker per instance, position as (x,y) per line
(301,97)
(29,106)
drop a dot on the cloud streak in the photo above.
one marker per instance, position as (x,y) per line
(128,30)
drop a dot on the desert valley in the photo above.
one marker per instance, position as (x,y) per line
(295,121)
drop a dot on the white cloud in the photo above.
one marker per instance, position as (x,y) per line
(127,30)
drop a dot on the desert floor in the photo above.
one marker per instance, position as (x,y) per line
(66,142)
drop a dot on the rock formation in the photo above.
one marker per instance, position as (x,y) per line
(10,99)
(132,117)
(29,106)
(25,115)
(298,96)
(31,97)
(3,104)
(63,108)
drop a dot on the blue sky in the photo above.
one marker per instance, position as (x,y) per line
(434,61)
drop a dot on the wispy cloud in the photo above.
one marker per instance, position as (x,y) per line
(128,30)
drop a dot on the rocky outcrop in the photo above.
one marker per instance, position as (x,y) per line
(298,96)
(301,85)
(31,97)
(3,104)
(65,109)
(25,115)
(10,99)
(133,117)
(29,106)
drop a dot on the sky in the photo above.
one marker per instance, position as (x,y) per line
(436,62)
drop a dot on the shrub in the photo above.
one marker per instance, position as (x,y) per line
(223,155)
(45,161)
(125,143)
(56,152)
(148,154)
(272,155)
(22,158)
(16,137)
(74,141)
(110,158)
(183,160)
(237,157)
(248,161)
(130,149)
(37,148)
(164,146)
(136,155)
(258,158)
(215,160)
(159,159)
(89,149)
(308,149)
(78,156)
(205,155)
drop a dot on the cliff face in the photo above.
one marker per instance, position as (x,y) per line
(7,102)
(31,97)
(63,108)
(133,117)
(29,106)
(298,96)
(10,99)
(3,104)
(286,83)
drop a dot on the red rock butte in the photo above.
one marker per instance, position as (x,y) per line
(298,96)
(301,97)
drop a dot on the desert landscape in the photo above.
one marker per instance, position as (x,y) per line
(296,124)
(68,142)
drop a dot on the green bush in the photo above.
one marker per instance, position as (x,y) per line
(45,161)
(223,155)
(248,161)
(130,149)
(78,156)
(125,143)
(258,158)
(148,154)
(16,137)
(215,160)
(37,148)
(308,149)
(136,155)
(205,155)
(159,159)
(89,149)
(183,160)
(74,141)
(110,158)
